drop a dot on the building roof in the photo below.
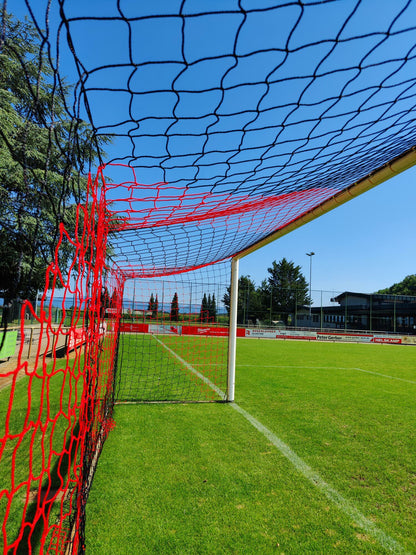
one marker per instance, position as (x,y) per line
(380,296)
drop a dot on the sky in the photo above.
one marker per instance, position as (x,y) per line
(364,245)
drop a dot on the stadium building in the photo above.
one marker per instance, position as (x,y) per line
(363,311)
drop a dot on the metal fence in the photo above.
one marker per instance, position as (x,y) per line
(329,310)
(11,313)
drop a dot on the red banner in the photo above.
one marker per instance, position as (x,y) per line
(210,331)
(204,330)
(76,338)
(134,327)
(395,340)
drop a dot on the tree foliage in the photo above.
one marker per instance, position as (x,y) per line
(155,308)
(45,154)
(203,313)
(405,287)
(174,308)
(250,300)
(153,305)
(287,289)
(212,307)
(208,311)
(276,298)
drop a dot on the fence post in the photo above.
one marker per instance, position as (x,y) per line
(30,343)
(371,313)
(346,312)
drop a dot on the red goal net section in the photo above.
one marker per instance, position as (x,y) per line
(56,404)
(216,145)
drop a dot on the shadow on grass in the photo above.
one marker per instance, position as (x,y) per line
(32,533)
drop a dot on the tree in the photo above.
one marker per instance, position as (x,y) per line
(286,288)
(209,307)
(44,154)
(151,302)
(155,308)
(174,308)
(249,306)
(213,309)
(153,305)
(405,287)
(114,299)
(105,301)
(203,313)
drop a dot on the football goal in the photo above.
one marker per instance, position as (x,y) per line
(173,339)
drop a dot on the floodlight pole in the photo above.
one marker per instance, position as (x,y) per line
(310,254)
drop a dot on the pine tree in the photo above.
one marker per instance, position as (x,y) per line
(104,301)
(203,315)
(114,299)
(151,303)
(209,307)
(213,309)
(174,308)
(155,308)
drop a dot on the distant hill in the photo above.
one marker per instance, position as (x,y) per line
(405,287)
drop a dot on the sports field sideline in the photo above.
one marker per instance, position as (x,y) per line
(316,456)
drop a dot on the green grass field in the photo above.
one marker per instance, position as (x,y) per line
(340,477)
(336,471)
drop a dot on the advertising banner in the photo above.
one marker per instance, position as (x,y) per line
(213,331)
(305,336)
(76,338)
(210,331)
(409,340)
(134,327)
(165,329)
(270,334)
(387,339)
(280,334)
(345,337)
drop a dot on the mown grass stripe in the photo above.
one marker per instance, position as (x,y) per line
(331,368)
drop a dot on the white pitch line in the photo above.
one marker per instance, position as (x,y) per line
(307,472)
(330,368)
